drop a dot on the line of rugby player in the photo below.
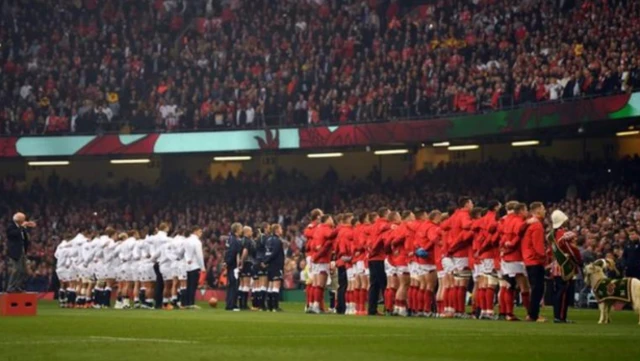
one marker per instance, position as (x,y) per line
(90,265)
(429,259)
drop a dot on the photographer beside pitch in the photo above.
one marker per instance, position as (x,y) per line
(17,246)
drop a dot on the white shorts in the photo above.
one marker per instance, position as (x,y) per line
(413,270)
(477,271)
(180,269)
(111,270)
(461,263)
(320,268)
(441,274)
(389,269)
(487,266)
(424,269)
(64,274)
(401,270)
(145,272)
(447,265)
(512,269)
(128,271)
(359,267)
(311,267)
(351,274)
(167,271)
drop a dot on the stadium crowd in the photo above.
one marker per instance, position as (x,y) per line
(600,198)
(129,65)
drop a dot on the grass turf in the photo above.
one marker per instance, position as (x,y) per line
(213,334)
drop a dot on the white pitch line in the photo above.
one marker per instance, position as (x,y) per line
(133,339)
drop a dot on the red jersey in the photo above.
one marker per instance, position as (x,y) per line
(398,239)
(489,247)
(375,244)
(460,237)
(325,236)
(477,240)
(533,245)
(344,245)
(563,239)
(514,230)
(359,243)
(445,228)
(409,244)
(309,233)
(427,237)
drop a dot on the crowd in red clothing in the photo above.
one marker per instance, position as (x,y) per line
(87,66)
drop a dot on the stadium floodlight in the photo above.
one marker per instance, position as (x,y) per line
(48,163)
(463,147)
(628,133)
(324,155)
(391,151)
(130,161)
(525,143)
(441,144)
(232,158)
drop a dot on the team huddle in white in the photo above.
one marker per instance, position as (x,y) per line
(89,266)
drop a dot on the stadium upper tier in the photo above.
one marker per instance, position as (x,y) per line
(137,65)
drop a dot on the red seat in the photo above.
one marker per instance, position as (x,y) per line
(18,304)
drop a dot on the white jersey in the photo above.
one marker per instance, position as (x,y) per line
(62,255)
(75,252)
(88,251)
(193,253)
(164,252)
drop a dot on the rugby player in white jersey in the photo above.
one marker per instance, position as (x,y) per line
(164,255)
(62,255)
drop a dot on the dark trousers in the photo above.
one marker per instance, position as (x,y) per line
(159,290)
(563,291)
(232,290)
(192,286)
(341,306)
(17,274)
(377,284)
(536,279)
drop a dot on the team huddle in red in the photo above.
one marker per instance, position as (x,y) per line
(423,262)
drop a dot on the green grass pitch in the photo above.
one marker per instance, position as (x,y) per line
(213,334)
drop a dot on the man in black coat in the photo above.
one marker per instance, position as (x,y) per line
(631,255)
(17,246)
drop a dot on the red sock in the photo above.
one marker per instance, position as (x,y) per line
(474,299)
(362,299)
(488,298)
(449,294)
(440,306)
(318,296)
(393,296)
(411,298)
(420,294)
(347,297)
(462,293)
(387,299)
(510,298)
(502,300)
(479,299)
(309,294)
(526,300)
(428,301)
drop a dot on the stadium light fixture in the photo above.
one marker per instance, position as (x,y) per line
(48,163)
(628,133)
(324,155)
(130,161)
(441,144)
(391,151)
(525,143)
(463,147)
(232,158)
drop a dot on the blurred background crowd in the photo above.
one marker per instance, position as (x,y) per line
(140,65)
(600,198)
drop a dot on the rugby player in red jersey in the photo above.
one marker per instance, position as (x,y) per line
(427,239)
(391,272)
(460,241)
(487,279)
(324,235)
(361,232)
(513,269)
(446,267)
(310,252)
(344,258)
(413,295)
(477,239)
(399,258)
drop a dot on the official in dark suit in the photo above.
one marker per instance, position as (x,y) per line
(231,258)
(17,246)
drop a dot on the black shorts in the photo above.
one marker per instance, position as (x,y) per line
(245,271)
(275,274)
(258,271)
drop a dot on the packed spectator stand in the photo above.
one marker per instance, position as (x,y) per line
(600,198)
(138,65)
